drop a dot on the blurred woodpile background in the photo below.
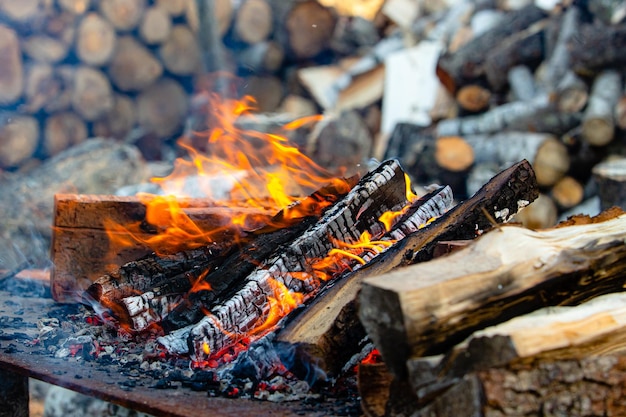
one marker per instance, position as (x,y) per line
(456,89)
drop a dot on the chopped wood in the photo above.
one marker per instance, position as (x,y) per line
(119,121)
(11,77)
(340,140)
(572,93)
(133,67)
(559,61)
(453,153)
(552,121)
(74,6)
(374,382)
(143,310)
(473,97)
(19,139)
(92,95)
(466,64)
(62,130)
(310,27)
(567,192)
(20,11)
(611,178)
(124,15)
(174,8)
(525,47)
(410,101)
(82,246)
(598,125)
(95,40)
(267,91)
(43,87)
(522,83)
(328,331)
(155,25)
(540,214)
(253,21)
(401,12)
(594,48)
(45,49)
(494,120)
(512,271)
(162,108)
(262,57)
(180,53)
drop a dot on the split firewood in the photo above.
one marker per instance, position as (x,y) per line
(552,121)
(82,246)
(180,53)
(162,108)
(522,83)
(62,130)
(319,330)
(522,264)
(253,21)
(261,57)
(525,47)
(95,40)
(133,67)
(494,120)
(559,61)
(291,265)
(594,48)
(124,15)
(473,97)
(466,65)
(548,155)
(155,25)
(119,121)
(74,6)
(340,140)
(92,95)
(45,49)
(567,193)
(572,93)
(11,77)
(540,214)
(374,382)
(20,136)
(328,330)
(21,11)
(309,26)
(598,125)
(611,179)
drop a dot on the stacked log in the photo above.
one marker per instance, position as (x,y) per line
(518,322)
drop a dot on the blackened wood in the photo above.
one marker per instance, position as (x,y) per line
(256,248)
(597,47)
(523,48)
(507,272)
(13,394)
(467,64)
(611,179)
(328,331)
(291,266)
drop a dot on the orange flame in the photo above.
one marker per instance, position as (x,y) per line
(253,174)
(281,303)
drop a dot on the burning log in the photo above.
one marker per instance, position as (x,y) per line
(293,267)
(82,247)
(582,261)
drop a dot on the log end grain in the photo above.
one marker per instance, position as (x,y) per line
(180,53)
(453,153)
(124,15)
(551,162)
(473,98)
(11,78)
(161,108)
(133,66)
(253,22)
(310,27)
(155,26)
(19,136)
(95,40)
(92,96)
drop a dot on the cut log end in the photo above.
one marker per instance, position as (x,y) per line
(453,153)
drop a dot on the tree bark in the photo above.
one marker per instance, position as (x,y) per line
(512,270)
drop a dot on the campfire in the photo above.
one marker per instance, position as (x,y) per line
(339,208)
